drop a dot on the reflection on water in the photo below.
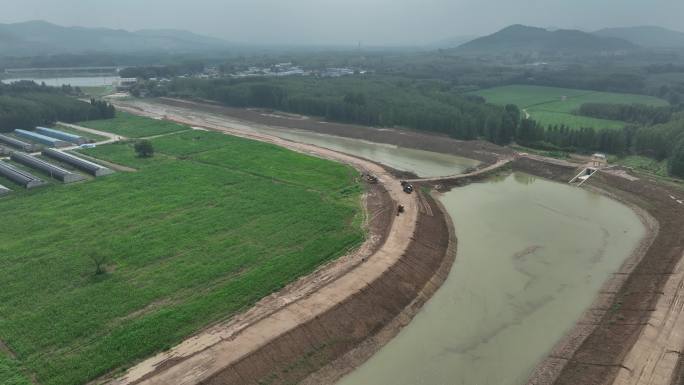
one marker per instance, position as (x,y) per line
(532,255)
(422,163)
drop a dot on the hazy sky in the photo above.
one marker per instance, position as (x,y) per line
(345,22)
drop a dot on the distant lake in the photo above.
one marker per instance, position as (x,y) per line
(73,81)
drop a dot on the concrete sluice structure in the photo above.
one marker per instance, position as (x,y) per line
(82,164)
(16,143)
(42,139)
(61,135)
(19,176)
(56,172)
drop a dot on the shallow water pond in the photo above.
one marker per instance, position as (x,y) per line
(532,256)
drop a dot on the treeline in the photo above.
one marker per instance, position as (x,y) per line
(434,106)
(661,141)
(25,105)
(631,113)
(563,138)
(586,80)
(372,101)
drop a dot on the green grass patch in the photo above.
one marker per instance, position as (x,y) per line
(133,126)
(549,154)
(555,106)
(122,153)
(97,91)
(10,373)
(645,164)
(204,229)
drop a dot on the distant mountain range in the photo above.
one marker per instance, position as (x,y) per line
(40,37)
(34,38)
(646,36)
(524,39)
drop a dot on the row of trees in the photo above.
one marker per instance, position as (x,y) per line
(421,105)
(26,105)
(632,113)
(562,138)
(385,102)
(661,142)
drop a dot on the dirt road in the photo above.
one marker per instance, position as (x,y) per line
(210,353)
(452,178)
(654,357)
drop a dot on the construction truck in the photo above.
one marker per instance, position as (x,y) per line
(408,188)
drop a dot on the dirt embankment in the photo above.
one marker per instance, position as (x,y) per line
(338,333)
(349,332)
(595,351)
(476,149)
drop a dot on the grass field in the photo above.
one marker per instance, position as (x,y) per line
(133,126)
(97,91)
(555,106)
(645,164)
(204,229)
(10,373)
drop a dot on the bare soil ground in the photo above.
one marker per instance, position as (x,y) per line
(478,150)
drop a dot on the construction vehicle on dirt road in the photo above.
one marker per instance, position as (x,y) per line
(408,188)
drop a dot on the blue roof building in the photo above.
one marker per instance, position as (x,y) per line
(61,135)
(42,139)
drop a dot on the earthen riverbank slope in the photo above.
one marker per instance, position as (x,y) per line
(597,350)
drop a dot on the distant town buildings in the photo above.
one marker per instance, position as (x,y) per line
(125,84)
(288,69)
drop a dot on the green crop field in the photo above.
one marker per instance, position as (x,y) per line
(555,106)
(204,229)
(133,126)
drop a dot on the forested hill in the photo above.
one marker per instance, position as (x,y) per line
(524,39)
(40,37)
(647,36)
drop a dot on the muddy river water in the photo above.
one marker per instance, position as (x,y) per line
(422,163)
(532,256)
